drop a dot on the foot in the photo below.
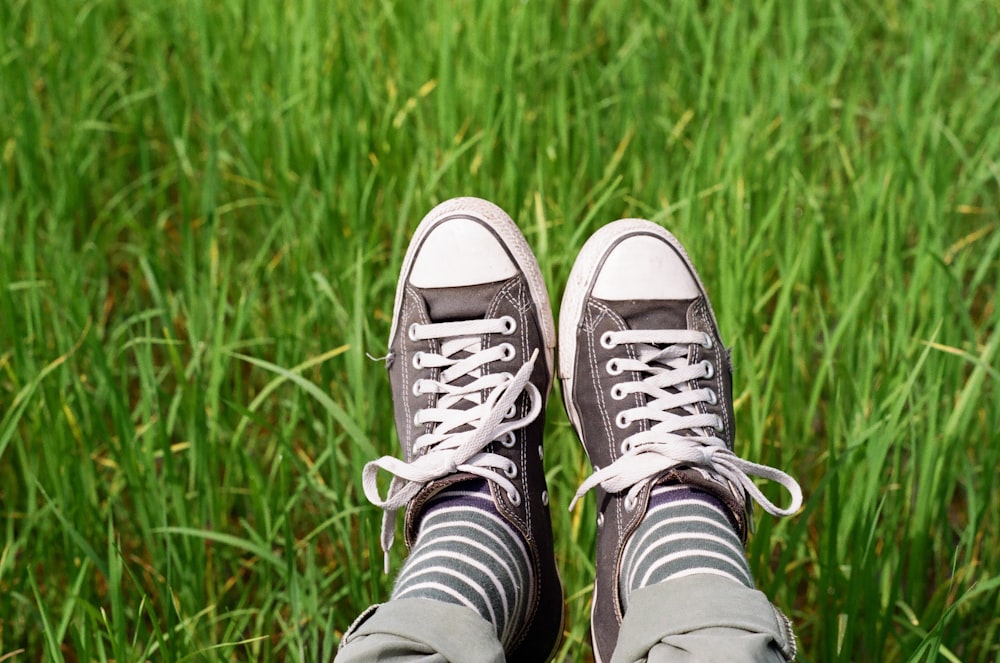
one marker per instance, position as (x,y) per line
(647,384)
(470,366)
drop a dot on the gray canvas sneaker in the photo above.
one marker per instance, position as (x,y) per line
(470,363)
(648,388)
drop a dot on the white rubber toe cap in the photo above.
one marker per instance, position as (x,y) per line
(644,267)
(460,251)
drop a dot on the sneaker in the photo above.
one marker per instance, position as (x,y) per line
(470,364)
(647,385)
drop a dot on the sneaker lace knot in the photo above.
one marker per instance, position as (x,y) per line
(678,432)
(472,410)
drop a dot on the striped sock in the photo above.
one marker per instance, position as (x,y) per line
(467,554)
(685,531)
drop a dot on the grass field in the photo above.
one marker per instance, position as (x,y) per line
(204,205)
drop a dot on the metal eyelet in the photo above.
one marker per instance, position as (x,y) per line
(622,420)
(515,498)
(625,447)
(618,392)
(511,411)
(509,325)
(630,503)
(509,352)
(613,367)
(417,360)
(606,341)
(718,425)
(709,369)
(416,388)
(600,520)
(707,343)
(545,497)
(541,452)
(713,398)
(509,440)
(510,471)
(416,419)
(412,332)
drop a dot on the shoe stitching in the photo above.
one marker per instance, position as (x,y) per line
(717,381)
(594,320)
(727,424)
(404,377)
(625,521)
(523,329)
(412,312)
(523,305)
(507,292)
(595,377)
(617,505)
(637,401)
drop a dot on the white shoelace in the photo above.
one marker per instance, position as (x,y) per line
(445,449)
(647,454)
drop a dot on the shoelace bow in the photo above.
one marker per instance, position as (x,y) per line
(649,453)
(459,436)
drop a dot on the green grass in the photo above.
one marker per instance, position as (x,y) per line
(203,207)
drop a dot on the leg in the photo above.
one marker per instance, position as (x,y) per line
(648,387)
(470,366)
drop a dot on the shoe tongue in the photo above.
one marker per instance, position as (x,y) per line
(457,303)
(653,313)
(656,314)
(467,302)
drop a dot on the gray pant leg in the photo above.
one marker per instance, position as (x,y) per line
(420,631)
(703,617)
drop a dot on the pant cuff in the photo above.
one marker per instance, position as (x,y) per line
(683,606)
(407,629)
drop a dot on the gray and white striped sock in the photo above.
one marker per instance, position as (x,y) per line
(684,532)
(467,554)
